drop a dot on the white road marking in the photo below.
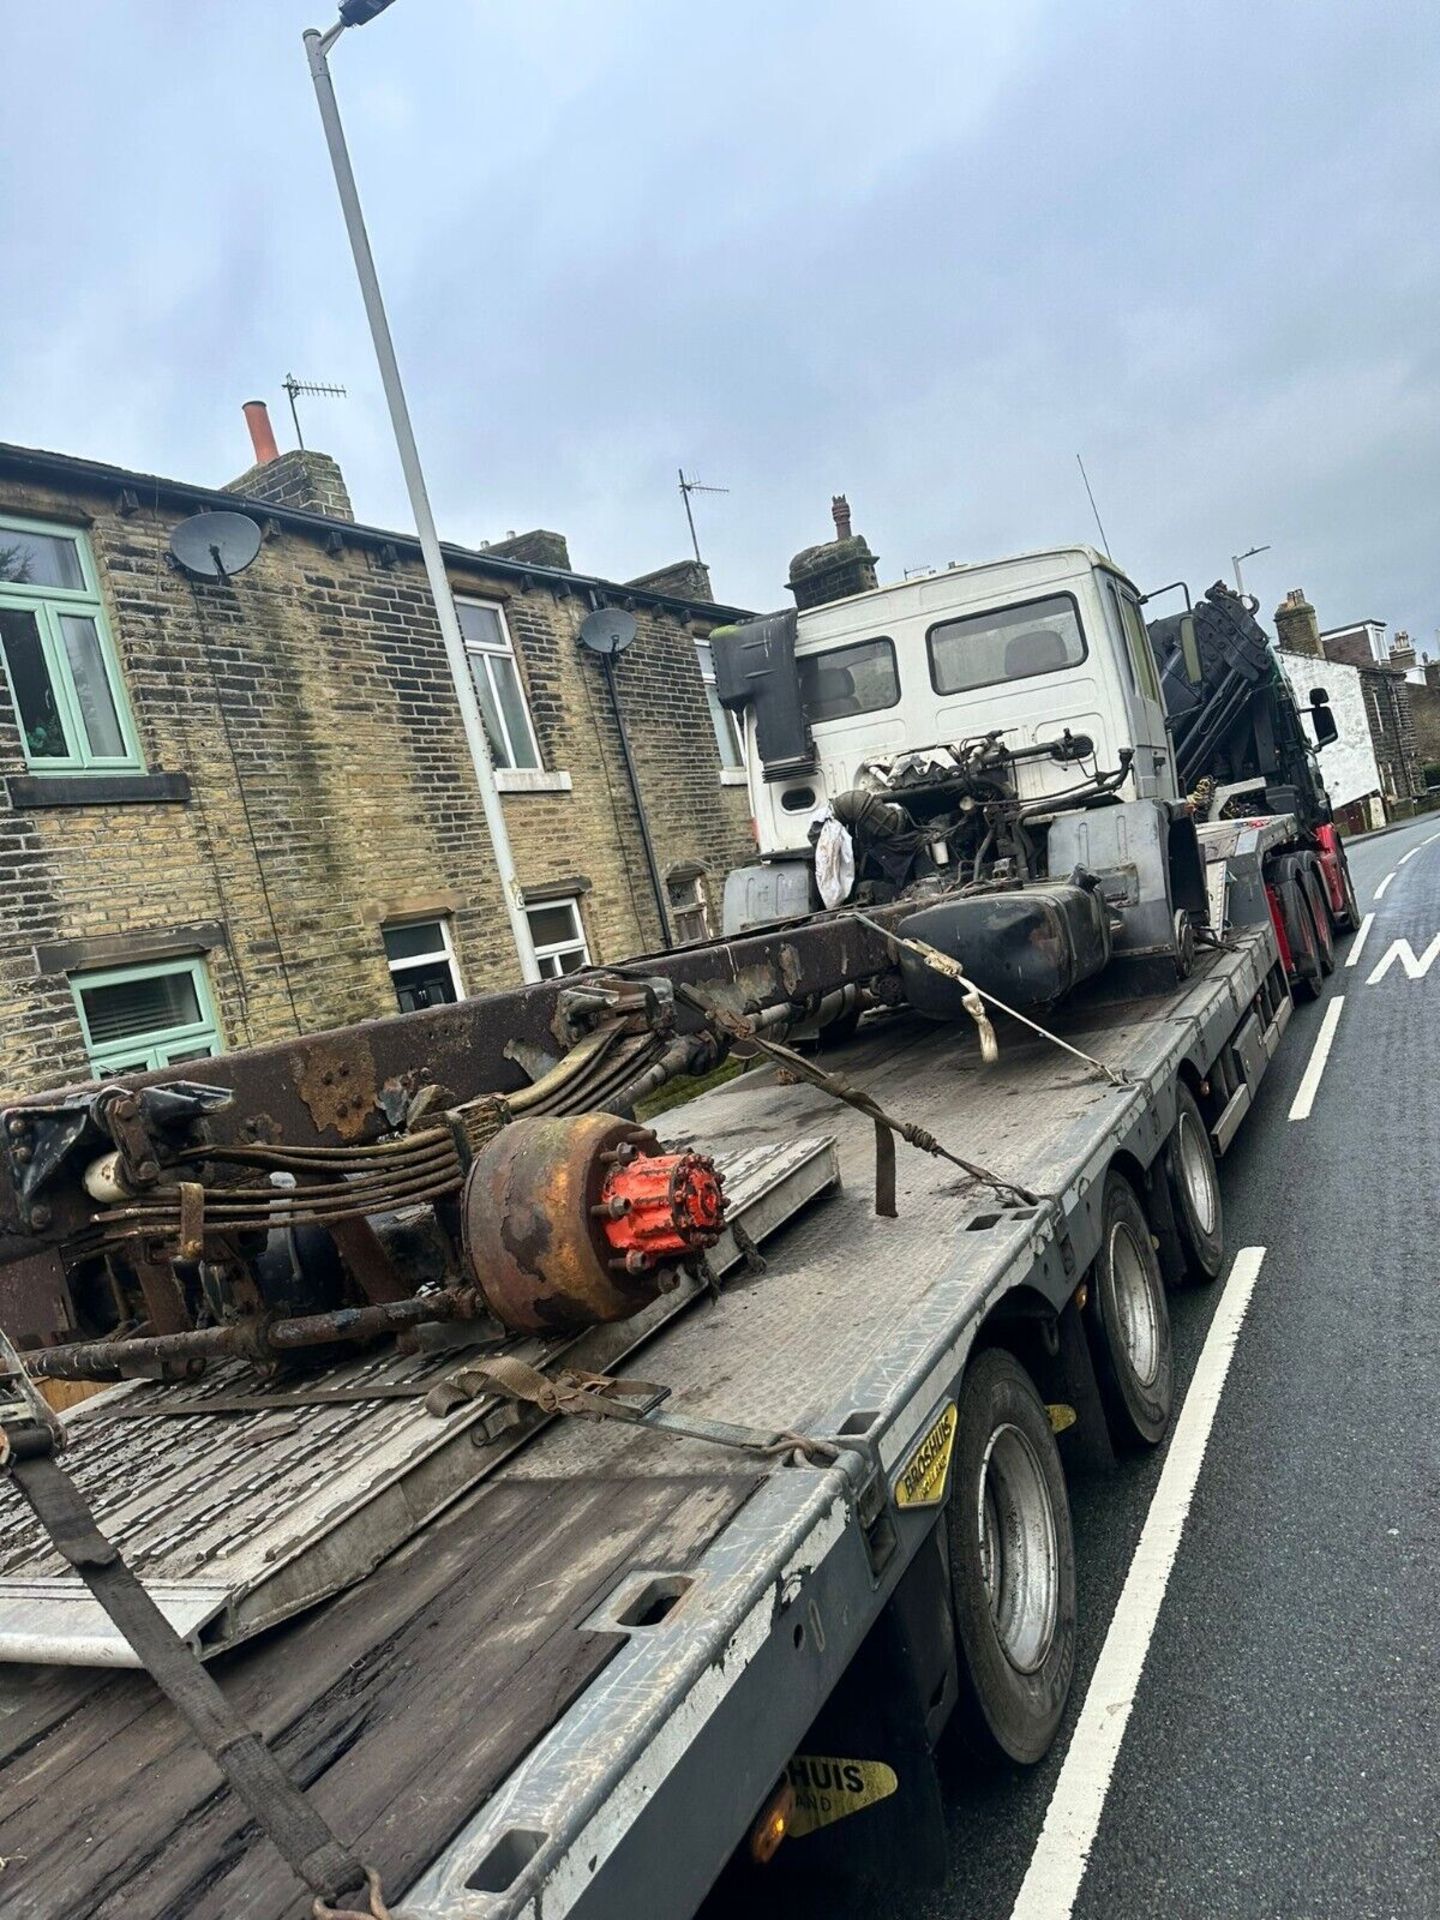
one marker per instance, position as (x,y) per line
(1412,853)
(1062,1852)
(1310,1081)
(1402,951)
(1433,836)
(1358,942)
(1380,890)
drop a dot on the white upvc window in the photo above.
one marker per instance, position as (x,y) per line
(498,685)
(559,936)
(423,967)
(136,1019)
(728,738)
(689,915)
(64,678)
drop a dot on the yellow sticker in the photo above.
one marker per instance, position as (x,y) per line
(921,1482)
(827,1789)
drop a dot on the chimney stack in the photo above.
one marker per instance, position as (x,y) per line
(835,569)
(262,437)
(1296,628)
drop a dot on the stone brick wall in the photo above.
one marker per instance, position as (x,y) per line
(309,704)
(1425,714)
(309,481)
(1392,729)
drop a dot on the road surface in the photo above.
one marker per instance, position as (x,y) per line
(1280,1760)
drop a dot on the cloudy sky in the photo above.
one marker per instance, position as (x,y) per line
(922,252)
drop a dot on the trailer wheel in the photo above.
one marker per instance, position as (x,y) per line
(1012,1564)
(1195,1189)
(1128,1322)
(1314,888)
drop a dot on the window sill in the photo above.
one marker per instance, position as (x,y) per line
(530,780)
(26,790)
(732,776)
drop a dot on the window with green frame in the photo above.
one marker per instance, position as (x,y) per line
(60,663)
(138,1018)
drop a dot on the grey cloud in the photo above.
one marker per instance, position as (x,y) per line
(923,253)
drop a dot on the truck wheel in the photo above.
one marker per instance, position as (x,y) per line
(1195,1190)
(1314,887)
(1128,1322)
(1348,919)
(1308,973)
(1012,1563)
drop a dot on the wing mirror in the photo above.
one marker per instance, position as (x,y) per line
(1321,718)
(1190,650)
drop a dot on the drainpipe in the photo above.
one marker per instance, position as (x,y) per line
(656,884)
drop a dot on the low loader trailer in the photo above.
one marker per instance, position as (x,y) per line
(503,1504)
(592,1672)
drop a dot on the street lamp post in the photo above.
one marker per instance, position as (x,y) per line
(1235,560)
(355,13)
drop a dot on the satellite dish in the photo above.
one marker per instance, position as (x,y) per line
(216,545)
(608,630)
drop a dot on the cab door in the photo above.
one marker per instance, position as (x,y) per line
(1154,768)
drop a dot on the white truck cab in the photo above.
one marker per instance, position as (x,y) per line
(1030,646)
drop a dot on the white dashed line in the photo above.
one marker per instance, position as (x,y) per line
(1412,853)
(1310,1083)
(1062,1852)
(1380,890)
(1358,942)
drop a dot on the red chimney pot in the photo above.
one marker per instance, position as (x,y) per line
(262,437)
(840,511)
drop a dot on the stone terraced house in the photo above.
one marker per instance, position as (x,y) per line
(236,809)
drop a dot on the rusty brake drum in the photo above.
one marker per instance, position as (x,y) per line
(570,1220)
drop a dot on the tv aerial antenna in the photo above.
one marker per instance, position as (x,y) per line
(687,487)
(214,546)
(293,386)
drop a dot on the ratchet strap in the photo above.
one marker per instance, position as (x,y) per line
(30,1437)
(974,999)
(600,1396)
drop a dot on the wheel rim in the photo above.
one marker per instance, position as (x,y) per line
(1135,1305)
(1197,1172)
(1019,1554)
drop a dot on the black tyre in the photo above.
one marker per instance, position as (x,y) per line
(1127,1319)
(1012,1563)
(1314,886)
(1307,974)
(1195,1190)
(1348,919)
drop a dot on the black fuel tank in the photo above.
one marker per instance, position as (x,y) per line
(1028,947)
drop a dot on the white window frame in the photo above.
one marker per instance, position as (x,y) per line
(47,606)
(445,951)
(556,949)
(503,649)
(724,724)
(686,894)
(146,1052)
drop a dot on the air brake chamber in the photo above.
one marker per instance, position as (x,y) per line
(1029,947)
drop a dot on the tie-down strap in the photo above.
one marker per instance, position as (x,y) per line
(887,1125)
(30,1437)
(600,1396)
